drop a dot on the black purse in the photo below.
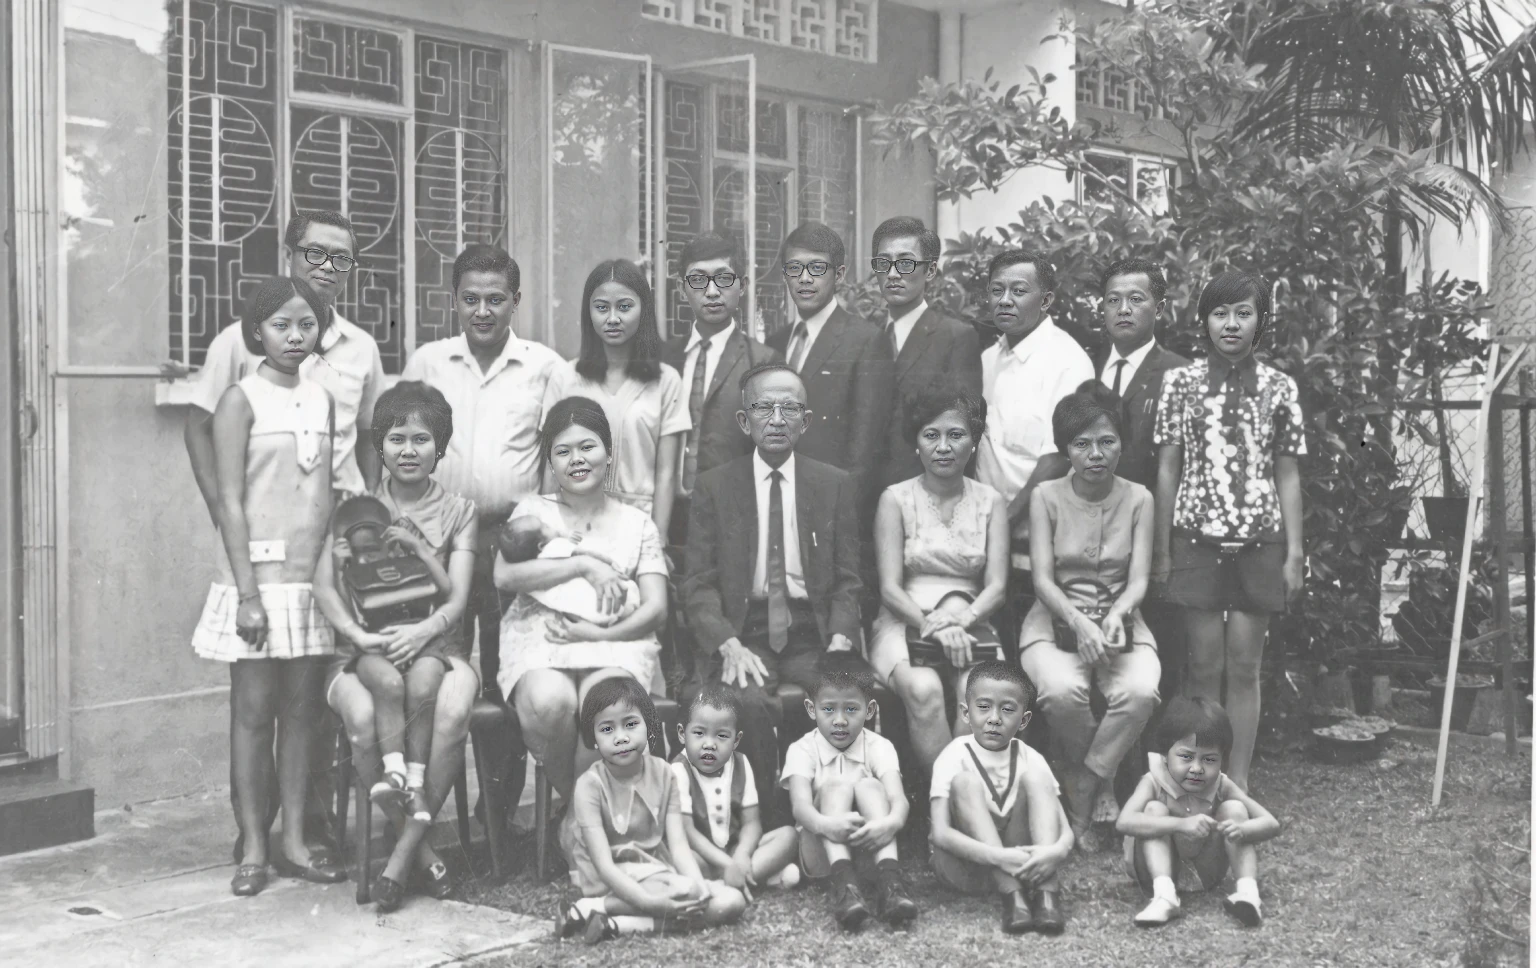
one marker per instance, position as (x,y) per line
(1066,636)
(931,654)
(384,586)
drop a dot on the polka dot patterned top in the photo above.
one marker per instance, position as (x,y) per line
(1228,486)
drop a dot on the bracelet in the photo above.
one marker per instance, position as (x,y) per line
(254,596)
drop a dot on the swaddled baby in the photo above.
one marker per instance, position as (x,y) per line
(526,538)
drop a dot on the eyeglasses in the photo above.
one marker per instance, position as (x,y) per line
(795,269)
(764,411)
(903,266)
(699,280)
(318,257)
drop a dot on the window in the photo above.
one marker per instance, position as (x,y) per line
(1147,179)
(805,170)
(284,110)
(843,28)
(1110,89)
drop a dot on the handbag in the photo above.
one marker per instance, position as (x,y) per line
(930,653)
(384,585)
(1066,636)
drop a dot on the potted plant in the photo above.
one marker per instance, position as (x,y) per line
(1423,623)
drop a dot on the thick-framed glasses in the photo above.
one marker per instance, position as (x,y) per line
(318,257)
(764,411)
(904,266)
(795,269)
(699,280)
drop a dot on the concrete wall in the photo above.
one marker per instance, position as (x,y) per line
(149,719)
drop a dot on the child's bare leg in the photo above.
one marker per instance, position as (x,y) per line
(837,796)
(1156,853)
(387,686)
(968,811)
(872,803)
(776,851)
(1243,859)
(455,699)
(422,682)
(1038,824)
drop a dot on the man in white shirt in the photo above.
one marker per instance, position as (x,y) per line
(494,380)
(1030,368)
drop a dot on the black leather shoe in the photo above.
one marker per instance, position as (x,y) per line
(1048,916)
(387,893)
(598,927)
(434,882)
(249,881)
(569,921)
(320,870)
(848,907)
(1017,918)
(896,909)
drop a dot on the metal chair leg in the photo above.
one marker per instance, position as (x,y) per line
(461,804)
(341,772)
(495,813)
(364,838)
(541,797)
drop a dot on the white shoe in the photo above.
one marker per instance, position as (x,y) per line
(786,878)
(1159,912)
(1245,907)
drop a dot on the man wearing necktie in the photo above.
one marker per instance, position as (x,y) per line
(772,578)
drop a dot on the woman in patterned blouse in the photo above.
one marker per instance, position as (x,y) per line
(1228,542)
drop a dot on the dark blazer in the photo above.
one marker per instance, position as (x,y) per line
(1138,409)
(939,352)
(721,440)
(849,379)
(722,550)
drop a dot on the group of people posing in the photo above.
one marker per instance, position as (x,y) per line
(854,506)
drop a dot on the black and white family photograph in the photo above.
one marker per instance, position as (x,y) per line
(500,483)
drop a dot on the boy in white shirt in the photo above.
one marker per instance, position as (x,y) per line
(997,822)
(845,789)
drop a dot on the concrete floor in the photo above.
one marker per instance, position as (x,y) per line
(153,888)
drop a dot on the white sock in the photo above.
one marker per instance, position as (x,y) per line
(1163,887)
(415,776)
(586,905)
(394,763)
(632,924)
(1247,888)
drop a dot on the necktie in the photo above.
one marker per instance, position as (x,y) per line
(696,413)
(890,336)
(1119,371)
(797,343)
(778,583)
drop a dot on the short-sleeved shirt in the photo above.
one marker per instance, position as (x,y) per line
(957,758)
(639,415)
(348,366)
(1228,487)
(812,756)
(493,458)
(717,794)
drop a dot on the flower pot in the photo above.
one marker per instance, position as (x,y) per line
(1446,517)
(1462,702)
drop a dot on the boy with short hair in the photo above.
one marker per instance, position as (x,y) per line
(844,784)
(997,819)
(718,798)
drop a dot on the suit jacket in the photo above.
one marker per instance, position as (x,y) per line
(722,550)
(1138,410)
(849,379)
(720,439)
(939,352)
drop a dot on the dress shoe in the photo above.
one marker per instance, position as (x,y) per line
(848,906)
(249,880)
(569,921)
(434,882)
(387,893)
(1017,918)
(1245,908)
(1157,913)
(1047,912)
(896,909)
(319,870)
(598,927)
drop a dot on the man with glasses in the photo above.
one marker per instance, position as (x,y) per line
(844,361)
(773,567)
(711,360)
(321,249)
(930,349)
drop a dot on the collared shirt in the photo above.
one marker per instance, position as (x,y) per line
(762,476)
(717,794)
(1132,365)
(493,457)
(1228,487)
(905,324)
(348,365)
(812,330)
(1005,774)
(711,358)
(814,757)
(1022,385)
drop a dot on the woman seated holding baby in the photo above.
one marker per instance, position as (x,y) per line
(591,590)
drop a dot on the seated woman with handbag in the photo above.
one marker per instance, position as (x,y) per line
(1091,552)
(941,541)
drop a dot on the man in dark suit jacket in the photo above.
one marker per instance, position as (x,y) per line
(718,343)
(843,360)
(772,579)
(930,349)
(1133,292)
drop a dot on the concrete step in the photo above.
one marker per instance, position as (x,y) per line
(39,811)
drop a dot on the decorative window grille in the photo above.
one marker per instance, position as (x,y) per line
(842,28)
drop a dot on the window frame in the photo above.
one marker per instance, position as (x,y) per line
(1138,161)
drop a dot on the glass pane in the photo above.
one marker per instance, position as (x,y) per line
(828,180)
(731,126)
(1116,170)
(598,177)
(773,216)
(347,60)
(461,173)
(1152,183)
(350,164)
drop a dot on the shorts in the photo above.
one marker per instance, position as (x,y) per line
(1206,578)
(1208,858)
(444,649)
(963,875)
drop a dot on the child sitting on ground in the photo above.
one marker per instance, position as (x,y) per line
(526,538)
(719,795)
(997,819)
(1185,810)
(845,788)
(624,835)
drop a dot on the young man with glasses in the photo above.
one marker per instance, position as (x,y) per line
(772,581)
(930,348)
(321,249)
